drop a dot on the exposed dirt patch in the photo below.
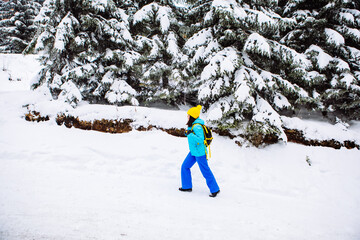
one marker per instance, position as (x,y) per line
(297,136)
(225,133)
(175,131)
(34,116)
(103,125)
(112,126)
(124,126)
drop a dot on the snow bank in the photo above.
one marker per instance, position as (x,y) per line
(142,116)
(25,68)
(322,130)
(19,69)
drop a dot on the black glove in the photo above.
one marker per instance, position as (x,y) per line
(187,132)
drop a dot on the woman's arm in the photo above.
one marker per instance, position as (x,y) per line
(197,136)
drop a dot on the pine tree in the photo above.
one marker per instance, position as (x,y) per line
(254,60)
(155,28)
(247,61)
(328,33)
(238,64)
(16,24)
(86,51)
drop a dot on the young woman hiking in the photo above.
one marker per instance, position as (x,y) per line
(195,136)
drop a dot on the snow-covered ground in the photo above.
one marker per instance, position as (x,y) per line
(59,183)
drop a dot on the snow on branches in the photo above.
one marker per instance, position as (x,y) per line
(247,62)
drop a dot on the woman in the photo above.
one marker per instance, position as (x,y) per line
(195,136)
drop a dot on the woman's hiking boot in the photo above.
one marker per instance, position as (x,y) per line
(214,194)
(185,190)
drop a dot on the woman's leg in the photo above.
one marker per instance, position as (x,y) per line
(186,181)
(208,175)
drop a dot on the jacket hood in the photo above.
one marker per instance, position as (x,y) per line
(199,120)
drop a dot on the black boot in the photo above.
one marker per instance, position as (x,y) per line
(185,190)
(214,194)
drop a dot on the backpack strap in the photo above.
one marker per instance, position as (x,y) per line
(208,155)
(195,124)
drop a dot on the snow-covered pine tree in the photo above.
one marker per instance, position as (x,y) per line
(3,15)
(155,27)
(242,71)
(247,61)
(328,32)
(4,10)
(16,24)
(86,51)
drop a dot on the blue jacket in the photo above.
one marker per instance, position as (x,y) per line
(196,139)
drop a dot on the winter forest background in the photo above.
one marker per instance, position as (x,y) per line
(248,62)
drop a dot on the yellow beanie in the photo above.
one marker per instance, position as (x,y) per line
(195,111)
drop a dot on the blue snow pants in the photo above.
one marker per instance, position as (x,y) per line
(204,168)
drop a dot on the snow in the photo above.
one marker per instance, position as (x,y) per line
(348,79)
(265,113)
(108,78)
(333,37)
(257,79)
(99,5)
(347,17)
(142,14)
(125,33)
(215,112)
(156,45)
(224,61)
(162,15)
(260,17)
(17,68)
(211,47)
(59,183)
(200,38)
(163,18)
(257,43)
(322,130)
(131,57)
(281,102)
(341,65)
(42,17)
(63,30)
(354,53)
(290,54)
(120,92)
(350,32)
(323,59)
(242,93)
(181,4)
(199,54)
(204,92)
(70,93)
(218,85)
(172,47)
(229,6)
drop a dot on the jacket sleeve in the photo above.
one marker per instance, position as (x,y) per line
(197,137)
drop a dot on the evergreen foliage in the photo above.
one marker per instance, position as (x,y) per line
(87,52)
(238,64)
(16,24)
(156,30)
(328,33)
(247,61)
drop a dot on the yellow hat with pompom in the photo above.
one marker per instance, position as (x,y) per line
(195,111)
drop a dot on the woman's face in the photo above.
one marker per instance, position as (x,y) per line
(188,116)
